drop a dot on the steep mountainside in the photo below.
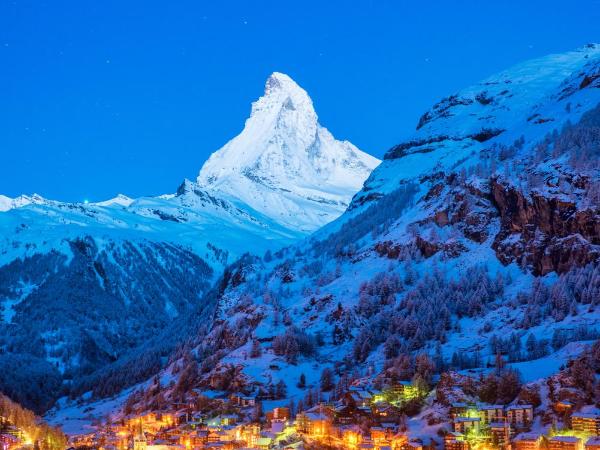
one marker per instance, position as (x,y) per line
(285,164)
(477,236)
(88,289)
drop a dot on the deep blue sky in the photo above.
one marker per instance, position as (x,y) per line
(101,97)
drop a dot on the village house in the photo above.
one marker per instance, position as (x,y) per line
(313,423)
(455,441)
(401,391)
(586,423)
(242,400)
(527,441)
(520,416)
(399,441)
(380,435)
(500,434)
(384,411)
(563,406)
(491,413)
(343,414)
(358,398)
(458,409)
(593,443)
(565,443)
(465,424)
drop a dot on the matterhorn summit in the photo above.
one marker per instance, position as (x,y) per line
(284,164)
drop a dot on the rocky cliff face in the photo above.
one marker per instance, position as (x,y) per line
(546,234)
(450,240)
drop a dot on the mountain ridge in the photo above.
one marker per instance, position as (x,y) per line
(281,172)
(449,250)
(125,253)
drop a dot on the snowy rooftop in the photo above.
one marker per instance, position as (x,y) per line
(568,439)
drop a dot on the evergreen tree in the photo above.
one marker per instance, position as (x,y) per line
(327,383)
(302,381)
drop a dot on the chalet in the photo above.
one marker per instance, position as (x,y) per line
(249,434)
(399,441)
(314,424)
(380,435)
(243,401)
(527,441)
(465,424)
(343,414)
(491,413)
(213,435)
(565,443)
(198,438)
(586,423)
(520,416)
(458,409)
(414,445)
(384,411)
(593,443)
(399,387)
(563,406)
(358,398)
(500,433)
(165,446)
(455,441)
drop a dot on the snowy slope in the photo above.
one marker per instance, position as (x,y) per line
(528,100)
(103,280)
(284,164)
(120,199)
(418,263)
(445,251)
(7,203)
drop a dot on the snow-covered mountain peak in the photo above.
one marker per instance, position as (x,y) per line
(281,84)
(119,200)
(7,203)
(284,164)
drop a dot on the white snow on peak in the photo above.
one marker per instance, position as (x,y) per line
(7,203)
(284,164)
(119,200)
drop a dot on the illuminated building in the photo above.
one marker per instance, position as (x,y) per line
(562,406)
(455,441)
(586,423)
(527,441)
(491,413)
(466,424)
(351,437)
(458,409)
(565,443)
(139,440)
(315,424)
(593,443)
(500,434)
(520,416)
